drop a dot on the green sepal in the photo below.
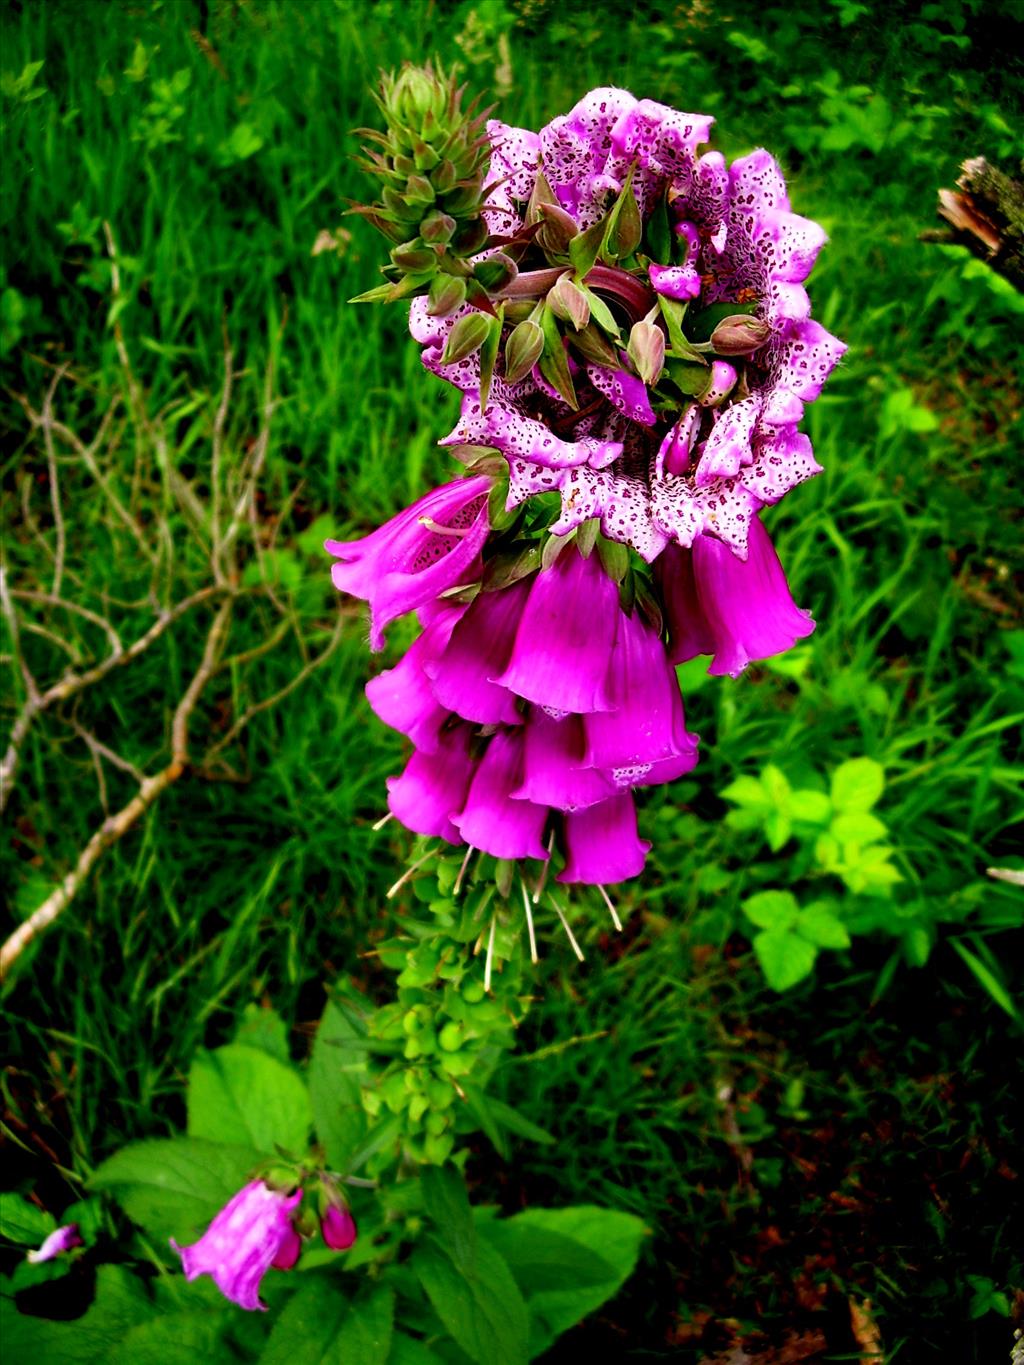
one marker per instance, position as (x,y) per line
(585,248)
(648,604)
(624,227)
(400,289)
(489,354)
(614,557)
(690,379)
(592,345)
(553,547)
(522,350)
(508,568)
(602,314)
(673,311)
(554,365)
(446,294)
(586,536)
(658,231)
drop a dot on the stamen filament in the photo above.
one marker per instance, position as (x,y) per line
(611,909)
(544,870)
(565,925)
(410,871)
(440,530)
(383,820)
(490,955)
(462,871)
(529,922)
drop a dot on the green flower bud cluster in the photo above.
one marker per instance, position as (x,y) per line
(458,1005)
(432,161)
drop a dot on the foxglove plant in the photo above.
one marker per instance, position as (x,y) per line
(626,321)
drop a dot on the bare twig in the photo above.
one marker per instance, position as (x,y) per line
(115,827)
(51,460)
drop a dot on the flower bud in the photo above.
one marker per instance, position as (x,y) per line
(437,227)
(415,95)
(338,1227)
(446,294)
(740,334)
(496,272)
(646,349)
(558,229)
(413,256)
(466,337)
(522,351)
(568,302)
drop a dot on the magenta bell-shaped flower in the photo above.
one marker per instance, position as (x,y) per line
(433,786)
(601,843)
(417,555)
(490,819)
(402,696)
(737,610)
(252,1232)
(553,765)
(338,1227)
(62,1239)
(566,636)
(478,651)
(647,723)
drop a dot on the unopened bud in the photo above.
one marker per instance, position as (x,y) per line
(446,294)
(522,351)
(466,337)
(437,227)
(418,190)
(414,94)
(558,229)
(494,273)
(646,349)
(568,302)
(413,256)
(740,334)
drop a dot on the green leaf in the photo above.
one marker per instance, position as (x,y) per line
(785,957)
(172,1187)
(745,791)
(447,1204)
(858,827)
(120,1304)
(554,365)
(857,784)
(336,1068)
(772,909)
(673,311)
(488,355)
(776,785)
(515,1122)
(819,926)
(263,1029)
(777,829)
(321,1324)
(567,1262)
(238,1094)
(486,1314)
(22,1222)
(408,1351)
(172,1339)
(810,807)
(585,248)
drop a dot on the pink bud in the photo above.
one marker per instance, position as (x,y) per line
(338,1227)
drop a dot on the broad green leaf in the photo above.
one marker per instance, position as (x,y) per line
(120,1304)
(567,1262)
(447,1204)
(745,791)
(857,785)
(336,1067)
(785,957)
(776,785)
(772,909)
(172,1339)
(819,926)
(242,1095)
(327,1322)
(172,1187)
(264,1030)
(777,829)
(486,1314)
(810,806)
(408,1351)
(22,1222)
(858,827)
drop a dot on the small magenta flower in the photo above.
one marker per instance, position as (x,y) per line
(417,555)
(252,1232)
(63,1239)
(338,1227)
(602,845)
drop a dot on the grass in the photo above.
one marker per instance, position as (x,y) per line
(853,1137)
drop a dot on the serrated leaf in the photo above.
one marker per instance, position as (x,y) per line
(172,1187)
(120,1304)
(746,791)
(323,1324)
(857,784)
(485,1314)
(819,926)
(772,909)
(336,1068)
(171,1339)
(785,957)
(240,1095)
